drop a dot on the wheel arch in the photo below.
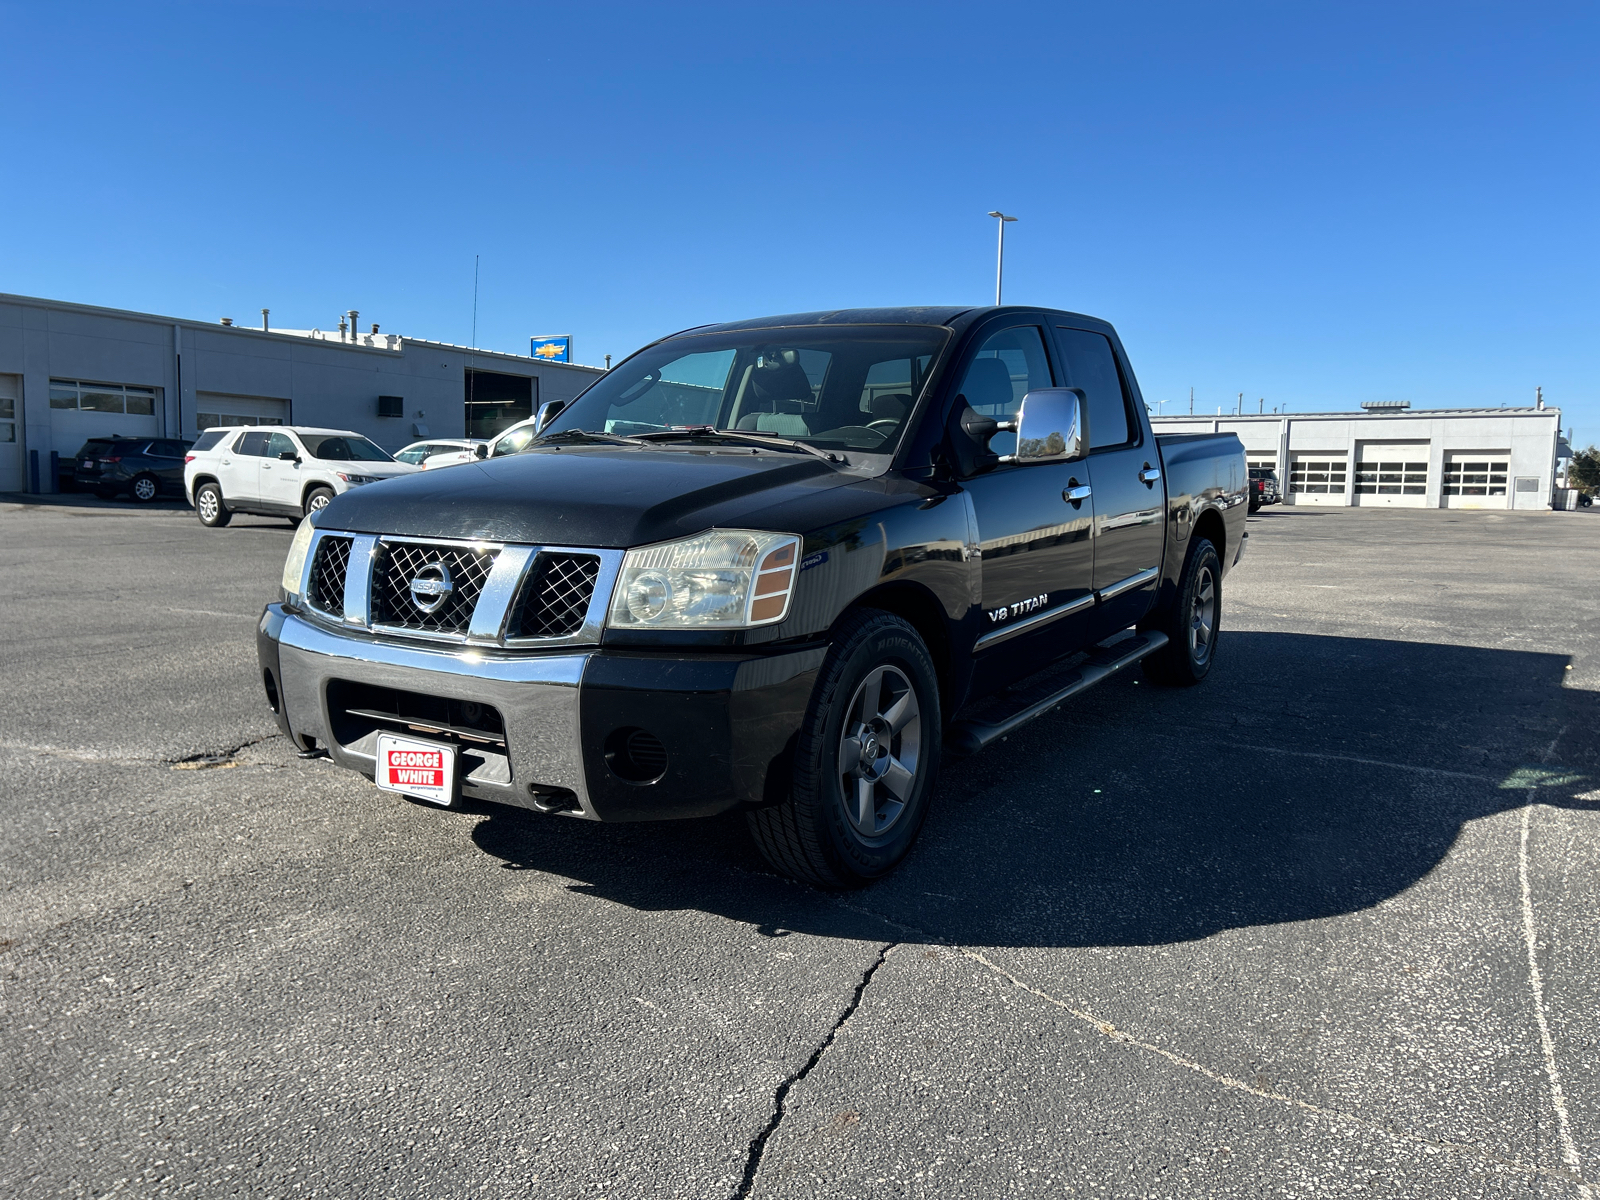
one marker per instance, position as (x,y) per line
(919,608)
(1211,527)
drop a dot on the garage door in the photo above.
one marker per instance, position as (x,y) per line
(215,408)
(80,410)
(1475,478)
(1318,478)
(1393,475)
(10,440)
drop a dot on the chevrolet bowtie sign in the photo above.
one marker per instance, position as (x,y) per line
(553,349)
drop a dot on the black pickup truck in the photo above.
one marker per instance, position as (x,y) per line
(778,565)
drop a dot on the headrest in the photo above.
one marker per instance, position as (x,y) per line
(988,384)
(779,376)
(891,406)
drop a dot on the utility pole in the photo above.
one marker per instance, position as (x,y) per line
(1000,255)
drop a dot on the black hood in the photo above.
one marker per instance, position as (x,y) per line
(600,496)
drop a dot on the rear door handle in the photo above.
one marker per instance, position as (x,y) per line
(1149,474)
(1077,493)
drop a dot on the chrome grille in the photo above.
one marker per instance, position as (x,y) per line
(326,590)
(398,564)
(555,599)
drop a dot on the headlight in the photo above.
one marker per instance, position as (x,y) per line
(354,479)
(724,579)
(294,566)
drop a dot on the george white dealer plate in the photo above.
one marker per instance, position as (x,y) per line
(426,770)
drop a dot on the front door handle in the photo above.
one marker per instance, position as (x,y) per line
(1077,493)
(1149,475)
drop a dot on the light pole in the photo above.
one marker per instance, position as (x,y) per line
(1000,254)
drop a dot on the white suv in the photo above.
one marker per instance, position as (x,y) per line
(278,470)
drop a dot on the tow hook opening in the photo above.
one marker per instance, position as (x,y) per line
(553,799)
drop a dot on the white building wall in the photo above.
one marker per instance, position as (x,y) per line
(317,382)
(1525,438)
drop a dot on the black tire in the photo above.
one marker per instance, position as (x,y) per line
(145,488)
(317,498)
(811,835)
(1192,624)
(210,507)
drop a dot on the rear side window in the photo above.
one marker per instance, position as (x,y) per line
(1092,366)
(1009,365)
(209,439)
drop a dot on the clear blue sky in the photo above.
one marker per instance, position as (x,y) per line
(1315,204)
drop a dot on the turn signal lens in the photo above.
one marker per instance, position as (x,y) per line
(295,565)
(722,579)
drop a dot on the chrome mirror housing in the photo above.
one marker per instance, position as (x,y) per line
(1050,427)
(548,412)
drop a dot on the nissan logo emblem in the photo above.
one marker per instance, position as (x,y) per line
(431,587)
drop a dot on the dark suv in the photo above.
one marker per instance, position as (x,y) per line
(145,468)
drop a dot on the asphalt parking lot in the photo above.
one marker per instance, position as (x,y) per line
(1326,926)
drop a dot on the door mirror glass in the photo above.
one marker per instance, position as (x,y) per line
(547,413)
(1050,427)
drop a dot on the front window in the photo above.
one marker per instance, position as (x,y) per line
(343,447)
(846,388)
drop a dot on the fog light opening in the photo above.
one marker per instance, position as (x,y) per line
(635,755)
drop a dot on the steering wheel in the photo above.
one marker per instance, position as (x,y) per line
(884,425)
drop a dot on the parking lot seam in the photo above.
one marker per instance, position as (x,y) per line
(758,1144)
(1110,1031)
(1366,762)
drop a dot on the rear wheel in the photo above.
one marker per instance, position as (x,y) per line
(145,488)
(209,506)
(1193,622)
(865,761)
(318,499)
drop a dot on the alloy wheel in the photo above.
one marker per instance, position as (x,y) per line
(879,749)
(1203,616)
(144,489)
(208,506)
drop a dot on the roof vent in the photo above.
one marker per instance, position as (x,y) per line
(227,320)
(1383,406)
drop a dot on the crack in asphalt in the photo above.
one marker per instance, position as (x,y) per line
(758,1144)
(218,758)
(191,762)
(1108,1030)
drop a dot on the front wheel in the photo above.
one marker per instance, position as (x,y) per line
(865,761)
(1192,624)
(318,499)
(209,506)
(145,488)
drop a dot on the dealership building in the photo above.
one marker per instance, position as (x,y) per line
(1390,456)
(69,372)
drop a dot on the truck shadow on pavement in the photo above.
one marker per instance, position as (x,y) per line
(1309,777)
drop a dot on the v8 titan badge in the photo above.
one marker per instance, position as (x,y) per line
(424,770)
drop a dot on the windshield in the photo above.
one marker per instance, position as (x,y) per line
(847,387)
(344,447)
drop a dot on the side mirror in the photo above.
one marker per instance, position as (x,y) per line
(481,449)
(1050,427)
(288,456)
(548,412)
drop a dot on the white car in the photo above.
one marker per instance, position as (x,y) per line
(278,470)
(447,452)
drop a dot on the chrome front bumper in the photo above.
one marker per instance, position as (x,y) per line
(725,720)
(537,697)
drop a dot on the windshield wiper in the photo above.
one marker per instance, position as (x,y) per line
(738,435)
(587,435)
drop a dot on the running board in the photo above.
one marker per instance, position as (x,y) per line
(970,736)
